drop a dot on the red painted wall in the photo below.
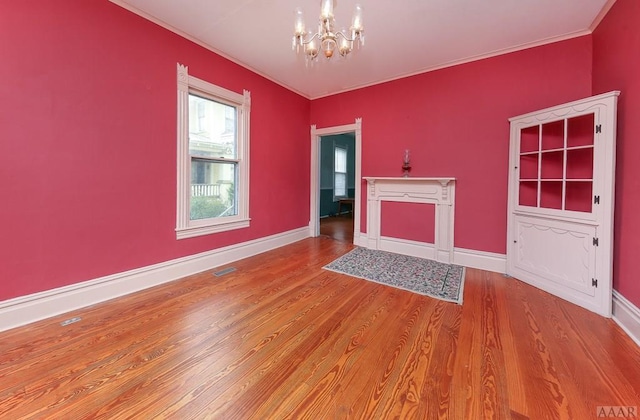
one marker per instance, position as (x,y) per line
(455,122)
(616,66)
(88,144)
(398,220)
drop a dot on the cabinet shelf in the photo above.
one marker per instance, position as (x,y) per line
(536,152)
(556,180)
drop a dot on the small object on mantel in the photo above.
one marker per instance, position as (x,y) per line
(406,163)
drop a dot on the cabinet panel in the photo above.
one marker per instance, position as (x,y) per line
(559,252)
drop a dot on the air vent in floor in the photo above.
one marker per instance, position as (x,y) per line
(224,271)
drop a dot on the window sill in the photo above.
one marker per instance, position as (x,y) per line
(191,232)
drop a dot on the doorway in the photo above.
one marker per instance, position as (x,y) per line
(337,186)
(353,131)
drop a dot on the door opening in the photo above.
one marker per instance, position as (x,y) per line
(325,183)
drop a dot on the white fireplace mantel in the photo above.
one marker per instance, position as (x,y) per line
(438,191)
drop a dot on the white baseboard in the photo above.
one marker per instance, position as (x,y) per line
(27,309)
(360,239)
(482,260)
(408,247)
(627,315)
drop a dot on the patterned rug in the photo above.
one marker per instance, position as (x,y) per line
(419,275)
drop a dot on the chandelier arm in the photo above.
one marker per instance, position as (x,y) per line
(308,41)
(343,35)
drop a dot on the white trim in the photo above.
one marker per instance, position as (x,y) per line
(194,231)
(453,63)
(314,209)
(482,260)
(627,315)
(27,309)
(601,15)
(362,239)
(185,227)
(407,247)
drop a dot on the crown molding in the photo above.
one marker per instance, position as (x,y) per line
(603,12)
(469,59)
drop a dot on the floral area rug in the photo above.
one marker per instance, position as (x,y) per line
(419,275)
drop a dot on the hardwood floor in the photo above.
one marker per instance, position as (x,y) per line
(280,338)
(339,228)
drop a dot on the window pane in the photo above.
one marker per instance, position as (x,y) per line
(213,189)
(340,189)
(212,128)
(341,160)
(340,172)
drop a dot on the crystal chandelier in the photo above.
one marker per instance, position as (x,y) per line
(328,39)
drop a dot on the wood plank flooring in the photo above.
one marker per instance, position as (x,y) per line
(280,338)
(339,228)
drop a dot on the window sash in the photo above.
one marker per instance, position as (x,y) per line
(213,195)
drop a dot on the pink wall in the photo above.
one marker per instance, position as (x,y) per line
(455,122)
(616,66)
(401,219)
(88,144)
(87,138)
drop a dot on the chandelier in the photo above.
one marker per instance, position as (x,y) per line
(327,39)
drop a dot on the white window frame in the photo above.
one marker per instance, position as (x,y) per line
(185,227)
(346,172)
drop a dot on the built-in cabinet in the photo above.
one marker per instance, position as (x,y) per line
(561,199)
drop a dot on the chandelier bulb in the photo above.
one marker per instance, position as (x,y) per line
(356,22)
(326,9)
(299,22)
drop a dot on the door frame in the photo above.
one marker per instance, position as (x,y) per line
(316,135)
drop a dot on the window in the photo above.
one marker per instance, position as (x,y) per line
(340,172)
(213,157)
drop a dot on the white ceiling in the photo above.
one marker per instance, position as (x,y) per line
(403,37)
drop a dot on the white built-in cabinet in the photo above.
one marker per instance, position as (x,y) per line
(561,200)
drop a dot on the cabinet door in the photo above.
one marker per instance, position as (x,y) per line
(556,167)
(556,256)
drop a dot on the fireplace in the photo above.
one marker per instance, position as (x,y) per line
(437,191)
